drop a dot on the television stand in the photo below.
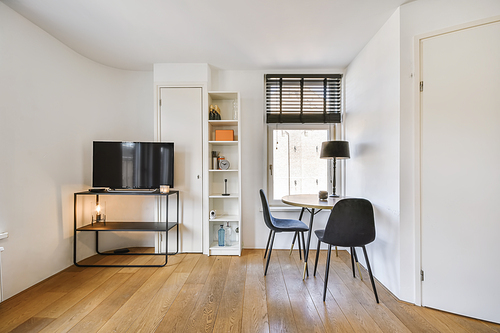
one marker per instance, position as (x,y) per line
(120,226)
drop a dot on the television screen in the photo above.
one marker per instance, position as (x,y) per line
(132,165)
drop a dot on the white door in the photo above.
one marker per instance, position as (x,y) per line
(460,172)
(181,122)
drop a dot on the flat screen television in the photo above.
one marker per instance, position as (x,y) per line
(132,165)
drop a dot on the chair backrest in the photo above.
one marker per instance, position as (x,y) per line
(351,223)
(268,218)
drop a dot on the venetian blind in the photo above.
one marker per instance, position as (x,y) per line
(314,98)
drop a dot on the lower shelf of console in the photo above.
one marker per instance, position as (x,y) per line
(127,226)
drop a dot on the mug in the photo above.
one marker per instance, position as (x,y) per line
(323,195)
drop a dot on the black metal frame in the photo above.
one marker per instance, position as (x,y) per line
(126,226)
(312,212)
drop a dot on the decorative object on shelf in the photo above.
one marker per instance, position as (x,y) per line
(228,232)
(335,150)
(323,195)
(214,113)
(213,214)
(220,158)
(221,233)
(99,211)
(224,135)
(217,113)
(215,161)
(224,164)
(235,109)
(211,113)
(164,189)
(225,188)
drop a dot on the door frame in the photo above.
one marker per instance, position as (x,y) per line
(204,148)
(418,55)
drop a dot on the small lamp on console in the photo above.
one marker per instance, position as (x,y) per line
(335,150)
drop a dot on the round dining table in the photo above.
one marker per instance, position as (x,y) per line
(313,204)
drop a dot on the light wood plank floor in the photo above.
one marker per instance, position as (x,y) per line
(197,293)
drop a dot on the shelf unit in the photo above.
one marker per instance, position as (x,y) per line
(227,207)
(113,226)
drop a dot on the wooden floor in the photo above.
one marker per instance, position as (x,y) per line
(197,293)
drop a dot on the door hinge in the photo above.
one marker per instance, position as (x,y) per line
(159,103)
(271,169)
(422,275)
(421,86)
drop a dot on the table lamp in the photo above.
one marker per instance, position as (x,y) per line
(335,150)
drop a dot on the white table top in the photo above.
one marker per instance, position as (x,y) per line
(310,201)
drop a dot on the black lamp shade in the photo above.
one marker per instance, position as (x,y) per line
(337,149)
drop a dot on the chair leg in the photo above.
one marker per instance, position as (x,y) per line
(303,244)
(317,257)
(293,242)
(357,263)
(327,271)
(270,250)
(267,246)
(352,263)
(298,242)
(370,272)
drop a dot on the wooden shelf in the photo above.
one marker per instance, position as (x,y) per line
(127,226)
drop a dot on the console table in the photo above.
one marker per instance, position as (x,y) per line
(107,226)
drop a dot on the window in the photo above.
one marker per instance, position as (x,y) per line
(301,112)
(295,166)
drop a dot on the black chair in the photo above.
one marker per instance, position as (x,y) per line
(279,225)
(351,224)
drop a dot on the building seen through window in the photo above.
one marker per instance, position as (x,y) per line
(297,168)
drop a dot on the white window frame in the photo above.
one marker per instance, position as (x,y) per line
(332,129)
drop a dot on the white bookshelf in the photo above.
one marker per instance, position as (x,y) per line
(227,207)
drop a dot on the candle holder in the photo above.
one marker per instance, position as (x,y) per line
(98,211)
(225,188)
(164,189)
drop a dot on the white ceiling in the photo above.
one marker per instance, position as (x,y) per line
(228,34)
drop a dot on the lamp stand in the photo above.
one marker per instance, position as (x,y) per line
(334,194)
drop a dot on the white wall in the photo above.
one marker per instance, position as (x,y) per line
(396,140)
(53,104)
(372,129)
(417,18)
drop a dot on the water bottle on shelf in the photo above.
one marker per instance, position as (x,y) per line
(228,232)
(221,234)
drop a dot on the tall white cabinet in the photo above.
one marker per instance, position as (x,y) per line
(180,121)
(223,184)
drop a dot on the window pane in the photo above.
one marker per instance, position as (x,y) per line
(297,168)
